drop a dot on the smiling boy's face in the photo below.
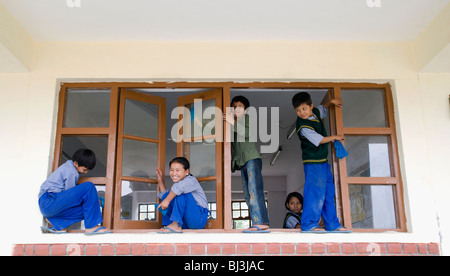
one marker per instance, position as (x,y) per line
(177,172)
(304,111)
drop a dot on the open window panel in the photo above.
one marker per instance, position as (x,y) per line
(370,177)
(199,139)
(140,150)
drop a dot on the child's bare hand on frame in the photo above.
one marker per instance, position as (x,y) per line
(229,117)
(337,102)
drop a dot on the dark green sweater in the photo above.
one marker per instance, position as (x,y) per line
(242,150)
(310,153)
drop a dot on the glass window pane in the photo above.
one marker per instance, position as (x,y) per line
(101,189)
(99,145)
(143,216)
(241,224)
(364,108)
(202,159)
(209,187)
(87,108)
(141,119)
(202,117)
(133,195)
(372,206)
(213,215)
(368,156)
(139,159)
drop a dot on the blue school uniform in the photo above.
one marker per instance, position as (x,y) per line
(291,220)
(64,203)
(189,208)
(319,190)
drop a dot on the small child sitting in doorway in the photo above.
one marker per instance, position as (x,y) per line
(294,205)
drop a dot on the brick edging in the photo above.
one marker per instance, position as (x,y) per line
(248,249)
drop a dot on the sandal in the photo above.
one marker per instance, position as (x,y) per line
(341,229)
(171,231)
(52,230)
(258,230)
(316,230)
(96,231)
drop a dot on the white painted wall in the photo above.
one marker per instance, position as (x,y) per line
(28,108)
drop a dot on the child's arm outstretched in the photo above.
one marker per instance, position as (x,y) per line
(327,103)
(329,139)
(160,178)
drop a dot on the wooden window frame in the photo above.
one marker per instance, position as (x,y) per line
(337,128)
(388,131)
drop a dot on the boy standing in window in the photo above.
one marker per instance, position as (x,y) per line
(246,158)
(319,191)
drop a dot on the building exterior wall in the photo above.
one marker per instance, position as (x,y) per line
(28,122)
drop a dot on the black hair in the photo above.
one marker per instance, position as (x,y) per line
(293,194)
(301,98)
(181,160)
(85,158)
(241,99)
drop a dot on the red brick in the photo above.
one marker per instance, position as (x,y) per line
(348,248)
(228,248)
(123,249)
(273,248)
(182,249)
(333,248)
(410,248)
(153,249)
(287,248)
(213,248)
(107,249)
(167,249)
(433,248)
(303,248)
(258,248)
(58,250)
(394,248)
(365,248)
(318,248)
(91,249)
(244,248)
(376,249)
(423,248)
(18,250)
(29,250)
(138,249)
(75,249)
(197,249)
(41,249)
(382,248)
